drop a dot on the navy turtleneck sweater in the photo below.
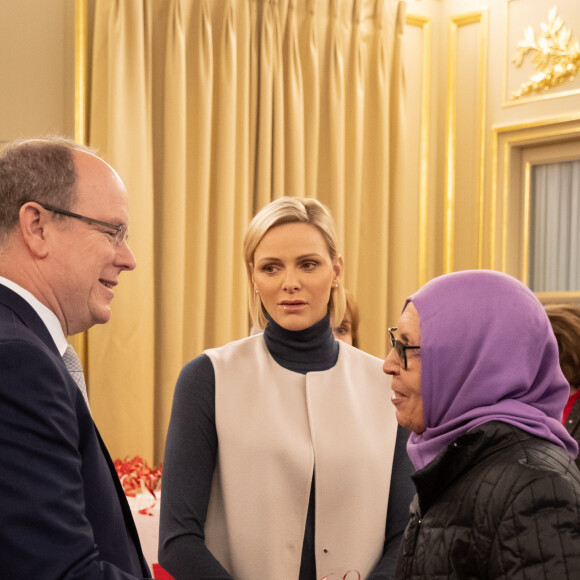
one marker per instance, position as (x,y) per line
(303,351)
(191,450)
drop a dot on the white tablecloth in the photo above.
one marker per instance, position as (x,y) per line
(147,522)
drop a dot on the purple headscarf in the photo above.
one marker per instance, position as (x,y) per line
(488,353)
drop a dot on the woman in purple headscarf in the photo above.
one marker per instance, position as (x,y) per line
(476,378)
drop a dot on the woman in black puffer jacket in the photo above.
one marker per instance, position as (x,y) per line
(476,378)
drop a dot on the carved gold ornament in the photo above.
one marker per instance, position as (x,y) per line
(556,56)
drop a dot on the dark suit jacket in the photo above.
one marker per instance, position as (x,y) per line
(63,513)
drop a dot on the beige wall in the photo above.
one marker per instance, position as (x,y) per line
(467,136)
(452,212)
(36,67)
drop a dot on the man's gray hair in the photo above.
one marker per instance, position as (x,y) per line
(39,170)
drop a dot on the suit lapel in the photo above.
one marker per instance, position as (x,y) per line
(127,515)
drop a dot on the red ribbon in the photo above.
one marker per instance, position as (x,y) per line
(136,476)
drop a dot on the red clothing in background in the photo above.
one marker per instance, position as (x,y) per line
(573,398)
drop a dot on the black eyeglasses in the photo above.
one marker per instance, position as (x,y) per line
(400,348)
(120,236)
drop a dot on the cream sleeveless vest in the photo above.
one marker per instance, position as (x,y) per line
(275,429)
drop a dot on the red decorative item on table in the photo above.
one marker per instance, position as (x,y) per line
(139,481)
(136,477)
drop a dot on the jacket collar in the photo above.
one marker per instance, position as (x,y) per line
(27,316)
(459,457)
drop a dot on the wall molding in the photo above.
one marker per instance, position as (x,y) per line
(455,23)
(80,341)
(424,24)
(510,186)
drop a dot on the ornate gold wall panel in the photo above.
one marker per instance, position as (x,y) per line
(541,51)
(465,141)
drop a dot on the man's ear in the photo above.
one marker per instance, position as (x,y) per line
(33,221)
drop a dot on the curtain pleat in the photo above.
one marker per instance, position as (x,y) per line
(332,155)
(554,238)
(265,110)
(354,139)
(293,107)
(372,284)
(574,263)
(171,211)
(312,89)
(278,138)
(216,110)
(222,245)
(123,393)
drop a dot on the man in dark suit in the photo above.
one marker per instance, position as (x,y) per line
(63,244)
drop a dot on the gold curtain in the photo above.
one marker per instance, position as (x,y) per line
(209,109)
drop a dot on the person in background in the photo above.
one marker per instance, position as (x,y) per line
(63,245)
(347,330)
(565,320)
(283,455)
(476,378)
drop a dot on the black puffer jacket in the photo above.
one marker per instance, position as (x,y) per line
(499,503)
